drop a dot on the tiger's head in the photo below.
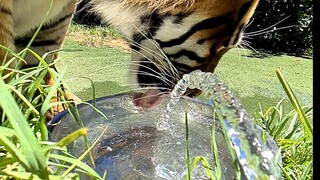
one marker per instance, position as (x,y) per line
(170,38)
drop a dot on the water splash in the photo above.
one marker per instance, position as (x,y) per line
(256,158)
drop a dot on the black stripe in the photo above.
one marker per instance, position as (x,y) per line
(148,79)
(25,41)
(190,54)
(205,24)
(6,11)
(243,10)
(56,23)
(213,49)
(137,38)
(154,22)
(237,36)
(179,18)
(27,66)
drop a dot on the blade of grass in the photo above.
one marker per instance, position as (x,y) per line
(26,101)
(228,141)
(13,150)
(46,105)
(7,161)
(93,90)
(35,157)
(73,161)
(217,165)
(302,116)
(307,170)
(205,164)
(84,154)
(10,133)
(187,147)
(72,137)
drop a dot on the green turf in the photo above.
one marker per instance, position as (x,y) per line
(106,67)
(253,80)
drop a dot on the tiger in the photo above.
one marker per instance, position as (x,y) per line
(168,38)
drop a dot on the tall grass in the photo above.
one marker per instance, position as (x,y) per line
(25,101)
(292,132)
(26,153)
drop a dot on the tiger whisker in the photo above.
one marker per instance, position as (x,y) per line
(165,71)
(272,30)
(162,69)
(171,67)
(265,29)
(245,43)
(153,75)
(137,63)
(174,70)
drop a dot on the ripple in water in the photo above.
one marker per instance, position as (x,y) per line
(138,146)
(256,159)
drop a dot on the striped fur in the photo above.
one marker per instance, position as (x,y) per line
(20,19)
(172,37)
(168,37)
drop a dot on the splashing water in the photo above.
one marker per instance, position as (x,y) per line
(256,159)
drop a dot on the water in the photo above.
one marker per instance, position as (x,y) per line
(151,145)
(256,158)
(133,147)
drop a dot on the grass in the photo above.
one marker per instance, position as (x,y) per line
(293,133)
(253,80)
(26,153)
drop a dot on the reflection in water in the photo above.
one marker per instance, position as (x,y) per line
(151,145)
(256,158)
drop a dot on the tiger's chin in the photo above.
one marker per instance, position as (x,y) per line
(147,100)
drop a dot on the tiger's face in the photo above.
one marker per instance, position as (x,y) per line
(172,38)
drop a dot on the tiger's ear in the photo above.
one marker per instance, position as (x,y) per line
(244,15)
(247,11)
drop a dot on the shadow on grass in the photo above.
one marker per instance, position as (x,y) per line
(105,88)
(265,54)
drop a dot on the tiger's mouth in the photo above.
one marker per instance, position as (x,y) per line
(153,97)
(147,100)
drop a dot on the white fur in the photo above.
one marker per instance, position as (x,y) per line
(28,14)
(125,20)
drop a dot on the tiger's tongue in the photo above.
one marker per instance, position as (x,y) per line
(147,100)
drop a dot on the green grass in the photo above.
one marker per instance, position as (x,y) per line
(26,153)
(253,80)
(106,67)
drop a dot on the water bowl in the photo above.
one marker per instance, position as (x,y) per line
(132,146)
(152,144)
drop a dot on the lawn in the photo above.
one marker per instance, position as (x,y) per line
(97,58)
(252,79)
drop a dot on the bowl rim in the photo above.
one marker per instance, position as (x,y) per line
(59,116)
